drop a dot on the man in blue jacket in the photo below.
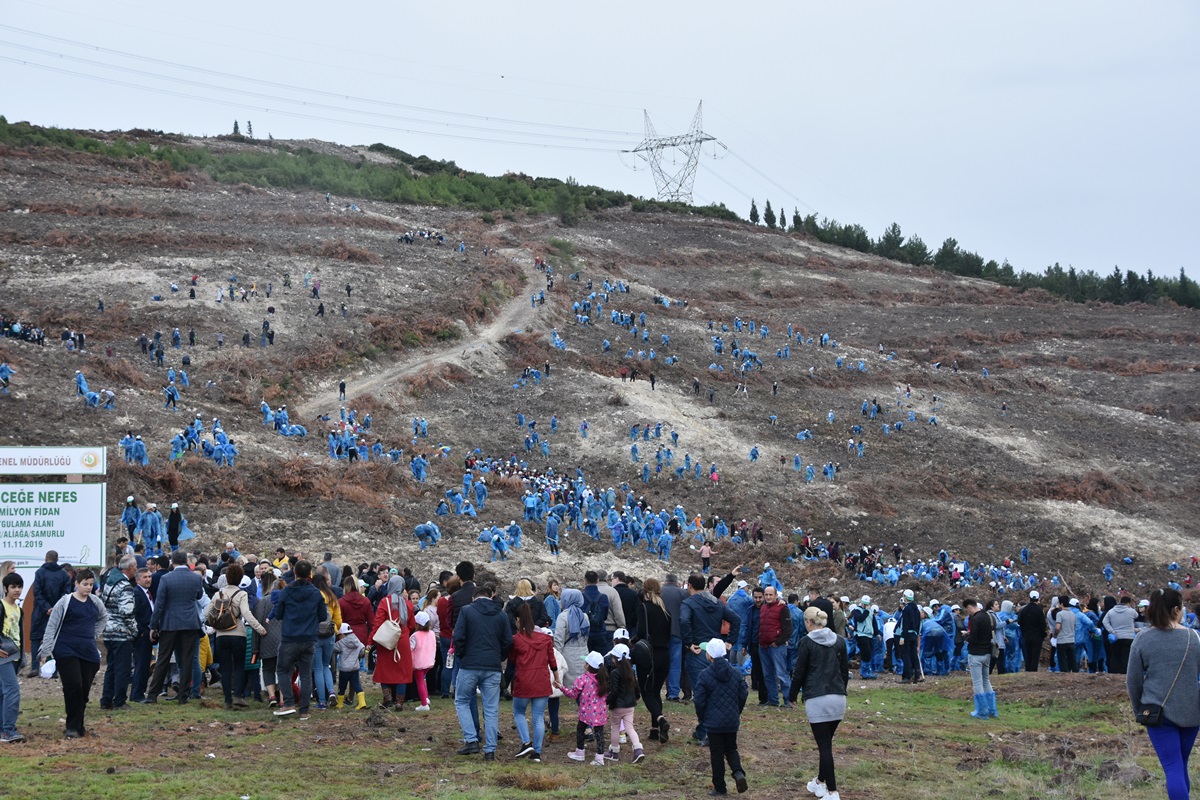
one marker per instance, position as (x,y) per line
(175,625)
(482,637)
(720,695)
(300,609)
(700,619)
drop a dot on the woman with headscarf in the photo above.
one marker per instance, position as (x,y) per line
(393,668)
(571,634)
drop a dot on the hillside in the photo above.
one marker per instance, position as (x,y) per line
(1095,459)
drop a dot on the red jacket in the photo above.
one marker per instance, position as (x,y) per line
(774,624)
(534,658)
(358,614)
(443,612)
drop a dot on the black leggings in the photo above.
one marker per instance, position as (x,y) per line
(650,682)
(581,737)
(823,733)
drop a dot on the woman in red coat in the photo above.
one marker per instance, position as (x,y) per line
(357,611)
(533,654)
(393,668)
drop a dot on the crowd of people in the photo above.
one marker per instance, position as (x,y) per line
(276,630)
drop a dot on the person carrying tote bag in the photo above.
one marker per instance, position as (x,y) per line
(1163,682)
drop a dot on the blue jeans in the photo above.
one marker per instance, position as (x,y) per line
(676,650)
(695,664)
(774,666)
(539,720)
(488,683)
(322,676)
(116,675)
(10,698)
(1174,745)
(979,666)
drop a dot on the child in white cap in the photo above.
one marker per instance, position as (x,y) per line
(591,691)
(348,648)
(720,695)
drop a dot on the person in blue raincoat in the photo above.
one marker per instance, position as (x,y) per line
(139,451)
(935,645)
(130,516)
(427,534)
(767,578)
(499,548)
(481,493)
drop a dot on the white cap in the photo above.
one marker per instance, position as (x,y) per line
(844,599)
(345,628)
(956,607)
(767,565)
(1075,601)
(1143,603)
(422,618)
(1034,595)
(129,499)
(621,633)
(934,602)
(619,652)
(742,584)
(152,505)
(866,600)
(594,659)
(907,594)
(715,648)
(512,522)
(174,505)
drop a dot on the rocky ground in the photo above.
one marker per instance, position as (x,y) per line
(1095,459)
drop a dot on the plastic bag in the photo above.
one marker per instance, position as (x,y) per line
(48,669)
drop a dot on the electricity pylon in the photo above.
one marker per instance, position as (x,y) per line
(675,187)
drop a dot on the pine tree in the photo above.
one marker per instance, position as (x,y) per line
(236,131)
(753,213)
(891,244)
(250,129)
(769,216)
(797,220)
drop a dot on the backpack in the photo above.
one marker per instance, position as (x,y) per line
(223,613)
(597,612)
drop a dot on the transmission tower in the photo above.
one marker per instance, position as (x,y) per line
(676,186)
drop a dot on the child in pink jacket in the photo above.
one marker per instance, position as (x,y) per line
(424,652)
(591,690)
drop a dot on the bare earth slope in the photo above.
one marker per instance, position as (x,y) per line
(1095,459)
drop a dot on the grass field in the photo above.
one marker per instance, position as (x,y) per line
(1054,735)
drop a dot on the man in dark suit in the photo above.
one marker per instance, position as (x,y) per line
(143,610)
(175,625)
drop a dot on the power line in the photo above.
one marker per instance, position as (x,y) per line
(306,103)
(297,115)
(318,92)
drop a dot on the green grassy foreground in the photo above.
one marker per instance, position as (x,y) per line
(1053,735)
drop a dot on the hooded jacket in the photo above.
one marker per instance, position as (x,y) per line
(50,582)
(720,695)
(822,666)
(700,620)
(300,608)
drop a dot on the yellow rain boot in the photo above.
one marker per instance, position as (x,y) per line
(362,701)
(338,702)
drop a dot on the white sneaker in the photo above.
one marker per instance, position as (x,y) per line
(818,788)
(422,708)
(833,796)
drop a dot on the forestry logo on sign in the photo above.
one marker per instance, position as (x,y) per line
(90,460)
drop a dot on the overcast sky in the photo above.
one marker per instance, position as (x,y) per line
(1037,132)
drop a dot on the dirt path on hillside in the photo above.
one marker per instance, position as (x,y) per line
(516,314)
